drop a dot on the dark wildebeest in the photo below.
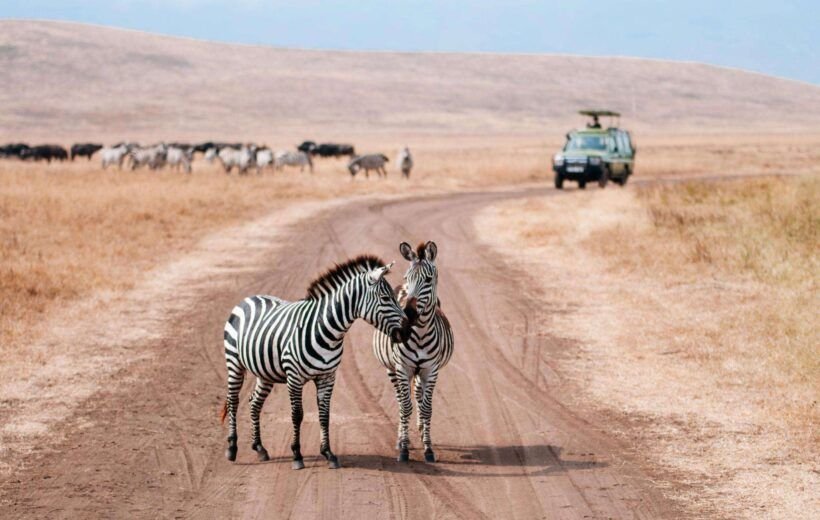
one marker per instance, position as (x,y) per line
(307,147)
(46,152)
(85,150)
(334,150)
(18,150)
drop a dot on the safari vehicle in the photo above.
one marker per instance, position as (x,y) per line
(595,154)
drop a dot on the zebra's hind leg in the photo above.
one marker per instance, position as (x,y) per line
(236,377)
(324,390)
(428,384)
(296,416)
(257,400)
(402,385)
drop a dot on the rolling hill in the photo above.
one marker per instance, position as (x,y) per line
(69,81)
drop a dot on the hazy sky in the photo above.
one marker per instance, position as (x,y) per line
(780,38)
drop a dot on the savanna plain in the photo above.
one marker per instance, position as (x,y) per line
(678,313)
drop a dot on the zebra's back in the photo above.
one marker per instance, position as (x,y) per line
(257,333)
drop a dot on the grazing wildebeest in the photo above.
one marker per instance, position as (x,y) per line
(307,146)
(404,162)
(151,156)
(114,155)
(203,147)
(179,157)
(288,158)
(46,152)
(333,150)
(18,150)
(375,161)
(242,159)
(84,150)
(264,159)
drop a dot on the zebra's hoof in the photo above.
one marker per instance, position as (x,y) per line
(333,463)
(298,464)
(429,456)
(261,453)
(230,453)
(404,456)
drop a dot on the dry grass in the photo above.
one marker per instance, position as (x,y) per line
(69,229)
(696,308)
(764,233)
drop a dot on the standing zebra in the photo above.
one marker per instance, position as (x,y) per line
(427,350)
(295,342)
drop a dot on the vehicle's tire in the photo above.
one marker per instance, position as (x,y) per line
(623,181)
(582,185)
(604,178)
(559,181)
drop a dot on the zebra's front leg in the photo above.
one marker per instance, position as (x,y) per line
(257,400)
(296,416)
(428,384)
(324,390)
(419,393)
(402,385)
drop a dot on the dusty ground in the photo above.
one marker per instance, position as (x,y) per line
(134,430)
(703,357)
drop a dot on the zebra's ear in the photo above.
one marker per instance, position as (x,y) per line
(377,274)
(407,252)
(430,251)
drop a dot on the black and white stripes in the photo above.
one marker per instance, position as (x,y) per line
(296,342)
(427,349)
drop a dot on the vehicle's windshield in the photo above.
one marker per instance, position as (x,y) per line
(586,142)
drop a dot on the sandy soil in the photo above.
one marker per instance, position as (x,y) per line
(135,432)
(710,438)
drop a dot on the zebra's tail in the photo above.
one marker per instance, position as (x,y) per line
(224,412)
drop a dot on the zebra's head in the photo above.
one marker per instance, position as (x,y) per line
(421,281)
(380,307)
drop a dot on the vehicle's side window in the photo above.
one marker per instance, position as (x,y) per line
(626,146)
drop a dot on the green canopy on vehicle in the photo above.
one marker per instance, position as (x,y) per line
(593,113)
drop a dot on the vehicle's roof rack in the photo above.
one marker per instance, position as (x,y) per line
(593,113)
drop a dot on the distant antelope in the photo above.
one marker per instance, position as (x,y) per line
(404,162)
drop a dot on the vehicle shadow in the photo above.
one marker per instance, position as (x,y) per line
(484,461)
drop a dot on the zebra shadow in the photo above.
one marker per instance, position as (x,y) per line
(484,461)
(506,461)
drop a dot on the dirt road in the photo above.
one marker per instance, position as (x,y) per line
(148,442)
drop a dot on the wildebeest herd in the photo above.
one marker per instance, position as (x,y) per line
(240,156)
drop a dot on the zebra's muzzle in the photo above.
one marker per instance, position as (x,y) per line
(411,311)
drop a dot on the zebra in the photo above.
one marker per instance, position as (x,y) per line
(426,351)
(296,342)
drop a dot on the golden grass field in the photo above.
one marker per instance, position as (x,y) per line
(72,228)
(699,302)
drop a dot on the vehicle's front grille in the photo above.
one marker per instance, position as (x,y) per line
(576,160)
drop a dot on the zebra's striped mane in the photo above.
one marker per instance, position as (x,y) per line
(339,274)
